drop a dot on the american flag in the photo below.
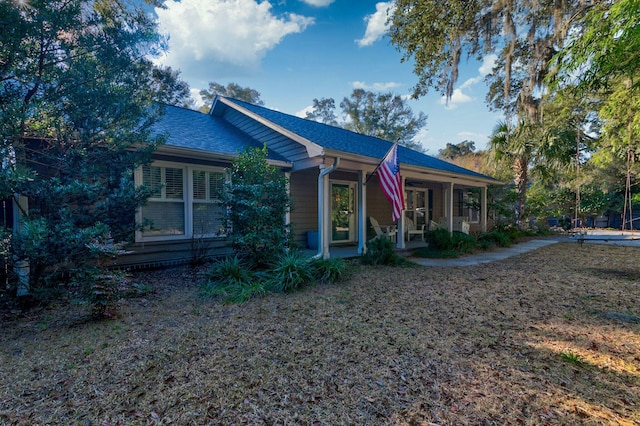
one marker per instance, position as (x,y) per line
(390,182)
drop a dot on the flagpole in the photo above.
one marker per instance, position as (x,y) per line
(378,166)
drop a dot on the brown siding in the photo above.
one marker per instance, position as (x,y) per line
(304,194)
(377,206)
(438,201)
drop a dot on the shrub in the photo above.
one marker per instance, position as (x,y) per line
(5,255)
(256,201)
(380,251)
(233,280)
(330,270)
(101,289)
(290,272)
(463,243)
(440,239)
(498,238)
(99,286)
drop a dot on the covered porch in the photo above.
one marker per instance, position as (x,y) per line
(348,199)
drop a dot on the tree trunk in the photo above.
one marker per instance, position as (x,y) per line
(521,178)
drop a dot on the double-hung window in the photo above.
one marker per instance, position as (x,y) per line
(184,203)
(163,215)
(206,209)
(467,205)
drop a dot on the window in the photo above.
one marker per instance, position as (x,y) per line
(185,202)
(467,205)
(416,205)
(163,215)
(207,211)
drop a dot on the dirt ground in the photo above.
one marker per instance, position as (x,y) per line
(547,337)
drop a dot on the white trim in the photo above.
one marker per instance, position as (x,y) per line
(313,149)
(353,217)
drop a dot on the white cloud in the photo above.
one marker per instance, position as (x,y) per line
(377,25)
(458,97)
(208,38)
(195,95)
(377,87)
(488,62)
(424,139)
(461,93)
(318,3)
(303,112)
(480,139)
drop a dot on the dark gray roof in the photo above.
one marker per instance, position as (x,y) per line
(339,139)
(187,128)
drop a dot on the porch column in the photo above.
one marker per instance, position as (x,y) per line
(450,207)
(326,217)
(483,209)
(362,212)
(400,234)
(287,214)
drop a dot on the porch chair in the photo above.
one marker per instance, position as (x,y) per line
(459,224)
(391,231)
(412,229)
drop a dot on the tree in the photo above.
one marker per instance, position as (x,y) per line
(451,151)
(602,59)
(170,88)
(386,116)
(323,111)
(604,47)
(522,33)
(79,97)
(231,90)
(256,202)
(539,149)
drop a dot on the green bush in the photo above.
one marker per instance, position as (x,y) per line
(256,202)
(440,239)
(499,238)
(101,289)
(330,270)
(463,243)
(290,272)
(6,261)
(381,251)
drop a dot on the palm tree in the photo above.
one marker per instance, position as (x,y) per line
(531,149)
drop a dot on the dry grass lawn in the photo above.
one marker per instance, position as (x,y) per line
(549,337)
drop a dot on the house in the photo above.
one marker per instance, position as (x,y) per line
(330,169)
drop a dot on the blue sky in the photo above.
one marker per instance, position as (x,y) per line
(293,51)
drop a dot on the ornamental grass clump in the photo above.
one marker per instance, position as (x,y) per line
(290,272)
(233,280)
(330,270)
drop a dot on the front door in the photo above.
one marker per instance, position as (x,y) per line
(343,214)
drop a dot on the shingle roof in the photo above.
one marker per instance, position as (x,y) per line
(339,139)
(187,128)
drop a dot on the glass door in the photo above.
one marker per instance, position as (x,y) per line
(343,211)
(417,208)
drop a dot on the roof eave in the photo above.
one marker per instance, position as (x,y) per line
(444,175)
(201,154)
